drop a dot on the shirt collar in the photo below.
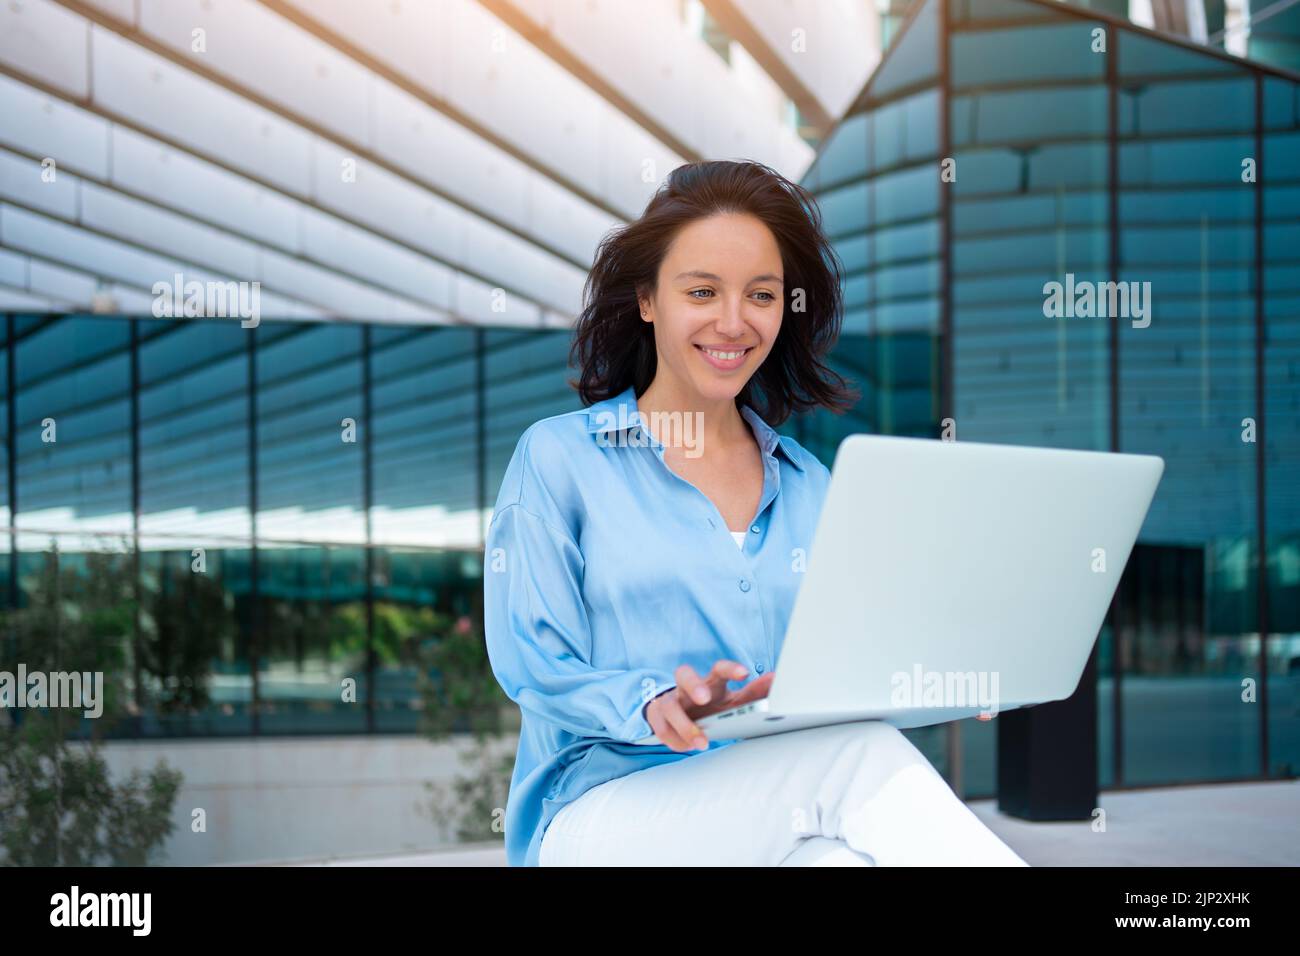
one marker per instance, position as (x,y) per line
(619,412)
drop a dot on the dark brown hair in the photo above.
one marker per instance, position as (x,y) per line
(613,348)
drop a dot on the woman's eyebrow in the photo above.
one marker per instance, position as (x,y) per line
(696,274)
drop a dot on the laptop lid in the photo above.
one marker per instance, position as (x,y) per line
(939,565)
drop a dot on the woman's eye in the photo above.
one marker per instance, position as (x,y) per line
(705,293)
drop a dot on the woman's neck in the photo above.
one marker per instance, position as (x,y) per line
(714,423)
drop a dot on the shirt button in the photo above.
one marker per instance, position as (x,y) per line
(754,529)
(759,668)
(744,585)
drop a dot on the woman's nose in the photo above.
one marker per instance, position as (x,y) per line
(730,323)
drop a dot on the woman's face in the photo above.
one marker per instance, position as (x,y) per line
(717,308)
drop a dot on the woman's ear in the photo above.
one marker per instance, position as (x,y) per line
(645,304)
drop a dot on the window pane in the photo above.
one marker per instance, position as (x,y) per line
(309,440)
(1189,629)
(425,446)
(424,602)
(1281,184)
(526,379)
(312,625)
(73,417)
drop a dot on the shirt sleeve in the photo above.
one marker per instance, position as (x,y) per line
(539,640)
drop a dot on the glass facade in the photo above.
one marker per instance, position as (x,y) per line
(1005,145)
(265,544)
(285,508)
(1274,33)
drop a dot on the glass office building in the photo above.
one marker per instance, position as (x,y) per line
(334,479)
(1004,145)
(324,477)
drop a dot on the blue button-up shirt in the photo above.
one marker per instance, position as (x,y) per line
(604,570)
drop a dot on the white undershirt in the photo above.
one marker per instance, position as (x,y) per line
(740,539)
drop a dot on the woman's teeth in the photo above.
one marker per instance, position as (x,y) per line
(725,356)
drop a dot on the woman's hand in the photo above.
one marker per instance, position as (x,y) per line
(673,713)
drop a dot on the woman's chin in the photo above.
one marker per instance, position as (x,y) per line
(714,386)
(722,391)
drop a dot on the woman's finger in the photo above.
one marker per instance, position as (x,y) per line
(723,671)
(663,730)
(692,685)
(680,725)
(756,689)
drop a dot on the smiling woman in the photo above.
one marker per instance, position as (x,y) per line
(631,577)
(722,239)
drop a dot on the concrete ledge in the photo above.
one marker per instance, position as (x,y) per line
(1230,824)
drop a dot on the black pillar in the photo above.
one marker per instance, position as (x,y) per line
(1047,755)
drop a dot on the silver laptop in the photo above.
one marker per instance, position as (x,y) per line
(950,580)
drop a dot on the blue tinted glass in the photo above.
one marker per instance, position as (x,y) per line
(841,156)
(309,432)
(194,432)
(1187,379)
(1043,53)
(425,453)
(912,58)
(73,421)
(1281,208)
(526,379)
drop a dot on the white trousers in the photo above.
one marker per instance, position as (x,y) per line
(856,794)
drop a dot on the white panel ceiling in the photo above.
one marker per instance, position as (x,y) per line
(401,161)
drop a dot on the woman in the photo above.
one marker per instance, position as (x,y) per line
(645,553)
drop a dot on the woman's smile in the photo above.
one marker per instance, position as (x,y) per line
(725,358)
